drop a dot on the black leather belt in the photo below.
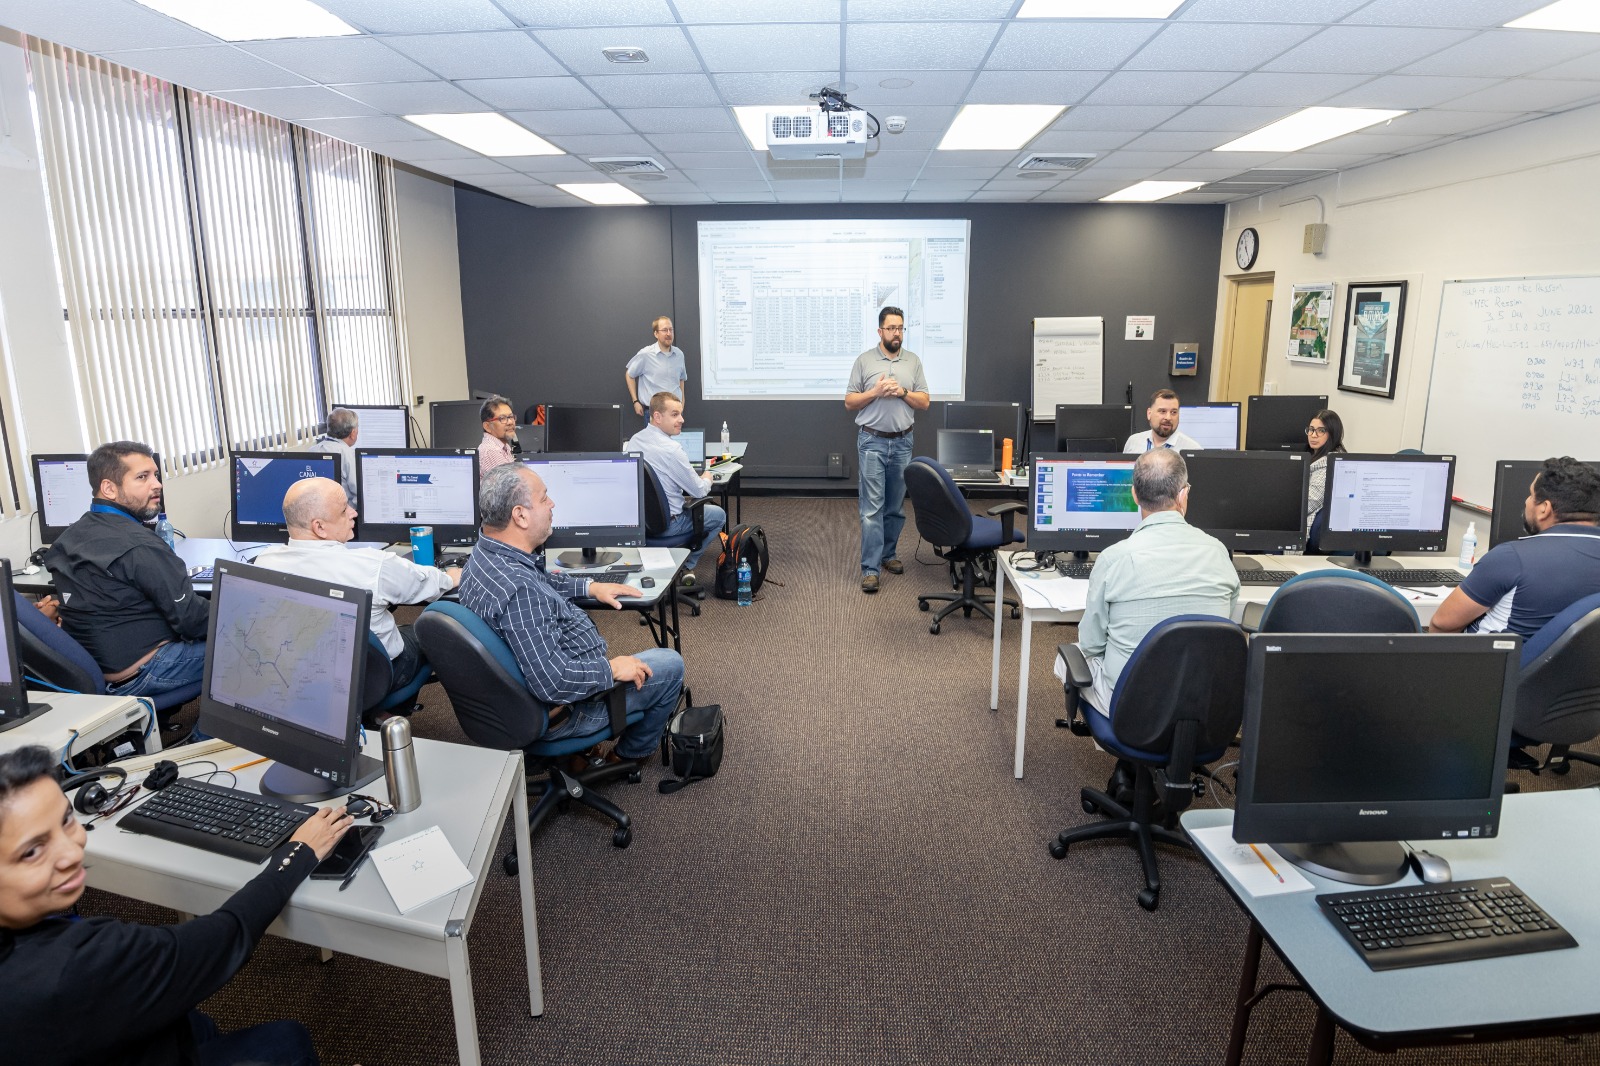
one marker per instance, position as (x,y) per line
(886,436)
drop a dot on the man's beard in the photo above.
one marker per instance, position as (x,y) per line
(1528,527)
(892,345)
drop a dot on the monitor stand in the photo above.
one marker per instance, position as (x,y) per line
(29,713)
(1365,561)
(1243,565)
(1367,863)
(287,783)
(587,557)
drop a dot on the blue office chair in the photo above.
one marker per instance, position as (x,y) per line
(1178,704)
(378,678)
(1337,601)
(656,518)
(1558,692)
(492,702)
(50,655)
(965,540)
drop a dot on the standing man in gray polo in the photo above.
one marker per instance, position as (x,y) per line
(886,389)
(344,426)
(657,367)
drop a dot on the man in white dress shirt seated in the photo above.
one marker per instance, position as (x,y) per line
(1163,432)
(321,522)
(657,442)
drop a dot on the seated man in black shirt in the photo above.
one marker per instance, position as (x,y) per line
(126,596)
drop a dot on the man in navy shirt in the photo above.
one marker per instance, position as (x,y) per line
(1522,584)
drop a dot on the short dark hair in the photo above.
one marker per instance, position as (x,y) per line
(1161,394)
(887,311)
(342,422)
(658,402)
(1335,427)
(486,412)
(1571,488)
(109,462)
(1159,476)
(22,767)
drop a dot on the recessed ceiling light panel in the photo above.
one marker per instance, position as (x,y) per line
(1582,15)
(1146,191)
(1098,9)
(1311,125)
(997,127)
(604,193)
(489,133)
(258,20)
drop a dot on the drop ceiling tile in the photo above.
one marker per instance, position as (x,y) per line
(298,103)
(1121,177)
(1527,94)
(678,119)
(99,28)
(1217,46)
(1033,86)
(387,16)
(1081,140)
(927,87)
(889,163)
(972,159)
(935,197)
(474,169)
(961,173)
(1375,143)
(1365,49)
(726,174)
(1113,117)
(744,198)
(713,160)
(211,68)
(1159,87)
(1584,67)
(927,46)
(413,98)
(913,10)
(1173,142)
(338,59)
(804,196)
(643,90)
(1145,160)
(695,11)
(589,13)
(914,139)
(778,87)
(1224,119)
(1444,122)
(1467,14)
(552,168)
(682,198)
(532,93)
(1068,45)
(700,142)
(553,123)
(1268,10)
(1409,91)
(998,198)
(1507,53)
(506,54)
(667,47)
(866,194)
(767,48)
(434,148)
(605,145)
(1290,89)
(716,187)
(940,185)
(363,130)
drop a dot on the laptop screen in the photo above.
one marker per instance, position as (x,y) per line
(694,445)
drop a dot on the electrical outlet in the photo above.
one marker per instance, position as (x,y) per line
(419,401)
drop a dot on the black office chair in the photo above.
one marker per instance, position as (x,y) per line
(492,702)
(656,519)
(1558,692)
(1178,704)
(963,539)
(1337,601)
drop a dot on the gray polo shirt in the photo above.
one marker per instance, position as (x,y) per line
(887,414)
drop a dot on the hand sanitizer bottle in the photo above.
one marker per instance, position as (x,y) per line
(1469,546)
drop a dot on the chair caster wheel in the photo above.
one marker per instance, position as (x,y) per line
(622,837)
(1090,807)
(922,605)
(1015,613)
(1150,898)
(1561,768)
(934,629)
(635,777)
(1058,849)
(509,864)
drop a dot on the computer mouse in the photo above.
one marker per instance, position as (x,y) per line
(357,807)
(1431,868)
(647,582)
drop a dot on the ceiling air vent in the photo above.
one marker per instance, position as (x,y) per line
(1069,161)
(639,168)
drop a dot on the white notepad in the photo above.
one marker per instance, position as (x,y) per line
(1260,870)
(420,868)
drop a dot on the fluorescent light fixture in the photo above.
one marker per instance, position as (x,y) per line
(1581,15)
(1098,9)
(604,193)
(1311,125)
(486,132)
(997,127)
(752,120)
(1146,191)
(254,20)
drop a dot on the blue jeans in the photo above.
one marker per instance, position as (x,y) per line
(715,519)
(180,663)
(269,1044)
(658,699)
(882,463)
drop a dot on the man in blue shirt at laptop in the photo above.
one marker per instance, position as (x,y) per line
(1521,584)
(658,443)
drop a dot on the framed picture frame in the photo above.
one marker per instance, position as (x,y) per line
(1374,313)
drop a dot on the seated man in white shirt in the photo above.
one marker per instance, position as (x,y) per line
(321,522)
(1162,414)
(667,458)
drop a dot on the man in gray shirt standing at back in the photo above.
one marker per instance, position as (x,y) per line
(887,387)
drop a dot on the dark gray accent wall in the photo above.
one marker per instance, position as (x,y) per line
(555,301)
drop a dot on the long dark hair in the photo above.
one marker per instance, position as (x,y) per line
(1335,441)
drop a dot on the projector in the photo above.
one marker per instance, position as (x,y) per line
(812,133)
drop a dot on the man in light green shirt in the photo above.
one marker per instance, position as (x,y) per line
(1165,568)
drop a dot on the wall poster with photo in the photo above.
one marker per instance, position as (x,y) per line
(1374,313)
(1310,323)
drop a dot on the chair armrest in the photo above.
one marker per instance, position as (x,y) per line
(617,708)
(1004,512)
(697,511)
(1078,673)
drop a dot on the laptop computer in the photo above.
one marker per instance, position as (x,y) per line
(968,454)
(693,442)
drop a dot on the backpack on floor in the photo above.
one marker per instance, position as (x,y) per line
(692,745)
(747,542)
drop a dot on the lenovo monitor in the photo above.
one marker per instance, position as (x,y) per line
(1213,426)
(1387,503)
(1080,503)
(1278,423)
(382,425)
(1251,501)
(1352,743)
(404,487)
(14,706)
(1093,427)
(599,501)
(259,481)
(1002,419)
(584,427)
(62,491)
(1512,480)
(285,656)
(455,423)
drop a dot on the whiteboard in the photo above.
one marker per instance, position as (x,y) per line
(1068,363)
(1516,375)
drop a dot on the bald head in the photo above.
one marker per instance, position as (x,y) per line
(315,508)
(1160,478)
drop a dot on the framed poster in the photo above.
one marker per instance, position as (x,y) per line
(1310,323)
(1373,315)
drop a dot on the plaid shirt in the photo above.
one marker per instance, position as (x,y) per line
(562,655)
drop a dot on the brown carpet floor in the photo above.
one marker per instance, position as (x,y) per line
(864,882)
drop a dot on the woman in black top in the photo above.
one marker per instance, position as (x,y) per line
(102,991)
(1324,436)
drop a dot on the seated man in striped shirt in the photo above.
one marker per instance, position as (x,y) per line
(561,654)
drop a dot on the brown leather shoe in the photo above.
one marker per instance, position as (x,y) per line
(869,583)
(894,566)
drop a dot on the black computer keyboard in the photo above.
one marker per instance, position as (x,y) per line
(201,573)
(1416,577)
(1264,577)
(241,825)
(1392,928)
(1072,568)
(615,574)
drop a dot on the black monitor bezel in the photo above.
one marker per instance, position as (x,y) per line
(1505,523)
(14,709)
(1071,540)
(1016,430)
(405,413)
(277,533)
(456,535)
(590,537)
(1341,822)
(1063,444)
(433,422)
(50,534)
(1253,432)
(1249,540)
(1212,403)
(1404,540)
(964,434)
(285,742)
(552,427)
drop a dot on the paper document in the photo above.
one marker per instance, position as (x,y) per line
(420,868)
(655,558)
(1050,591)
(1259,870)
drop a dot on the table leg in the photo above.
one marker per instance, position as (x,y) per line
(530,920)
(994,665)
(1248,972)
(1320,1053)
(455,949)
(1022,690)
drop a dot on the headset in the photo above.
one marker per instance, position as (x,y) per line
(95,798)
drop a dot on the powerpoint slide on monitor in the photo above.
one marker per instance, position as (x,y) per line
(787,305)
(1387,496)
(432,489)
(1087,495)
(593,495)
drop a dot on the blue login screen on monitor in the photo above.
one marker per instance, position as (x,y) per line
(262,483)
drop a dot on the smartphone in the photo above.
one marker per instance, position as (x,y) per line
(348,853)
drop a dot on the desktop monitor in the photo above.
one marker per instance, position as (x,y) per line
(455,423)
(1512,478)
(966,448)
(285,656)
(1080,503)
(404,487)
(1387,503)
(1352,743)
(1251,501)
(1093,427)
(1211,425)
(1003,419)
(14,706)
(584,427)
(599,502)
(1278,423)
(693,442)
(259,481)
(62,491)
(382,425)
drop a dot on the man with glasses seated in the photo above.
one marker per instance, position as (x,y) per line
(499,430)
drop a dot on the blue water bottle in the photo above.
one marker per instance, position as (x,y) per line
(744,583)
(165,532)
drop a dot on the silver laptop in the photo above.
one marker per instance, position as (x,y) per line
(693,442)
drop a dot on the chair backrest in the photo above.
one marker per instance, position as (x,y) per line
(481,677)
(943,517)
(50,654)
(1338,601)
(656,515)
(1188,669)
(377,673)
(1558,694)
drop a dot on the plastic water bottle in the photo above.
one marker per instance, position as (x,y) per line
(744,583)
(165,532)
(1469,546)
(724,438)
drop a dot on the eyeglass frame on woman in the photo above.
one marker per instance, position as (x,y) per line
(1316,429)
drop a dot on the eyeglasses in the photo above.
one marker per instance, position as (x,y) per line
(663,329)
(1316,431)
(892,329)
(503,418)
